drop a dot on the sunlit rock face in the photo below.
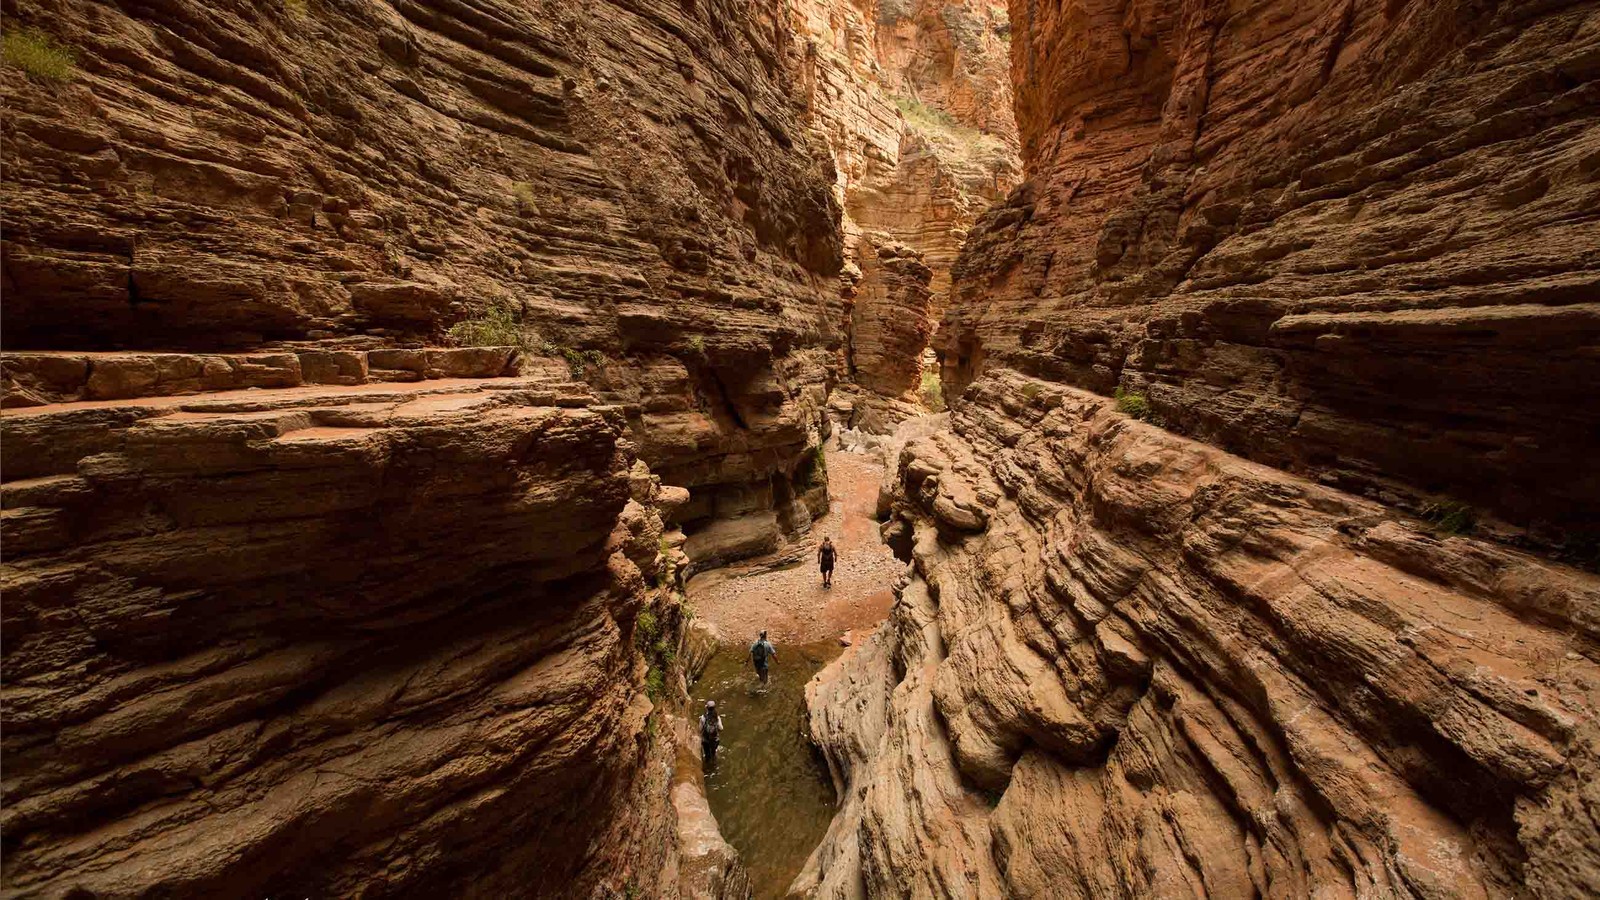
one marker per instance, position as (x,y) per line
(1352,241)
(913,100)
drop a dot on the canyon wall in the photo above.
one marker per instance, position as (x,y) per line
(328,641)
(1351,240)
(628,185)
(913,100)
(337,337)
(1127,664)
(1312,628)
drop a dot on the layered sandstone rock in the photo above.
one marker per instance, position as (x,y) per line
(331,640)
(913,100)
(1128,664)
(295,603)
(890,321)
(629,183)
(1355,241)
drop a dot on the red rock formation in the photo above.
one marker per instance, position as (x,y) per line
(1355,241)
(890,321)
(329,640)
(629,180)
(1350,241)
(290,606)
(913,101)
(1127,664)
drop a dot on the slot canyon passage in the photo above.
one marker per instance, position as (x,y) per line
(412,407)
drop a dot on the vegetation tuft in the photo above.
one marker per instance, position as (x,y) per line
(1132,404)
(697,343)
(1450,517)
(497,327)
(813,468)
(38,54)
(932,391)
(526,197)
(1030,390)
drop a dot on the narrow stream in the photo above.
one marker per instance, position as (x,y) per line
(769,792)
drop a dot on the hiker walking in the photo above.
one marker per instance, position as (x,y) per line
(710,730)
(825,556)
(761,653)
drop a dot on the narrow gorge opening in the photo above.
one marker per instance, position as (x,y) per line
(1196,395)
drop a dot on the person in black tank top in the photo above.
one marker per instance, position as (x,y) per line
(825,556)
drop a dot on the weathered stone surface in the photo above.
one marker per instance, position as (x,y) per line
(222,172)
(1356,241)
(1144,667)
(630,184)
(890,320)
(329,641)
(914,102)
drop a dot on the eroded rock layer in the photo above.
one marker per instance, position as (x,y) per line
(913,101)
(626,185)
(1127,664)
(1352,240)
(330,641)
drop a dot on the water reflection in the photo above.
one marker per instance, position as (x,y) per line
(768,790)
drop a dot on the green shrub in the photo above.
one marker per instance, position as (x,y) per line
(1030,390)
(1450,517)
(646,629)
(526,197)
(1132,404)
(574,360)
(932,391)
(38,54)
(919,113)
(697,344)
(497,327)
(655,683)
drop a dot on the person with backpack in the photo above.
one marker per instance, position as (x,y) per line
(762,653)
(825,556)
(710,730)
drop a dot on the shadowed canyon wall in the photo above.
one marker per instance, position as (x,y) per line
(301,596)
(1341,257)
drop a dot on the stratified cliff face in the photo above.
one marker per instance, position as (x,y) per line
(1340,256)
(302,598)
(913,100)
(1355,241)
(1127,664)
(328,641)
(629,179)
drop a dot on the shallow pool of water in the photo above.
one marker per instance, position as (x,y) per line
(768,790)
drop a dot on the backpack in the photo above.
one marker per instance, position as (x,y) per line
(758,652)
(827,555)
(710,729)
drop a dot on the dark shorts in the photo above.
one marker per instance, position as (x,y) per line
(827,567)
(761,668)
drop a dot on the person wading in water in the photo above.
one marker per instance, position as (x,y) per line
(761,652)
(825,556)
(710,730)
